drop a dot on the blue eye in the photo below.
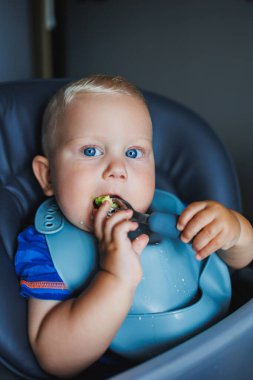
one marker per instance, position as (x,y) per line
(91,151)
(134,153)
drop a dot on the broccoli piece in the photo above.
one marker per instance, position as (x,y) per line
(99,200)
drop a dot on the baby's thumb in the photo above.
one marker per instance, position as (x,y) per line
(140,243)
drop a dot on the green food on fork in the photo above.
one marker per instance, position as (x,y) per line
(98,201)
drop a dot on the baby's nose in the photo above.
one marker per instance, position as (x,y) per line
(115,170)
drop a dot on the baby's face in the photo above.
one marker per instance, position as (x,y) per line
(104,146)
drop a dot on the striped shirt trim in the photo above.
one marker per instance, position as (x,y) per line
(43,285)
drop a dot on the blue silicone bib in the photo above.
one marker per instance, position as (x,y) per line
(177,297)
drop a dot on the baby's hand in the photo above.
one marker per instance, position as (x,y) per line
(209,226)
(119,255)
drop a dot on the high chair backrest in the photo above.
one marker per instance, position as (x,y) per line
(190,162)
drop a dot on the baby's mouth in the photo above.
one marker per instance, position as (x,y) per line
(116,203)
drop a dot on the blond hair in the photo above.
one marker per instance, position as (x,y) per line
(96,84)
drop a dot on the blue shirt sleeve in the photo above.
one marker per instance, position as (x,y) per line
(35,269)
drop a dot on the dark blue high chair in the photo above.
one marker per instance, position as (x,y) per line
(191,162)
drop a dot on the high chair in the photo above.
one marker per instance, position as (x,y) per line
(191,162)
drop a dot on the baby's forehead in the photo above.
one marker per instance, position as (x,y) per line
(95,112)
(94,102)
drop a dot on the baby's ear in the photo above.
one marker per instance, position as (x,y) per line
(41,171)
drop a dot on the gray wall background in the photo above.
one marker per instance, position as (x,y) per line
(16,60)
(198,52)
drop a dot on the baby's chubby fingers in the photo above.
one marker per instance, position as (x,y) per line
(99,216)
(206,235)
(188,214)
(118,223)
(103,224)
(140,243)
(212,246)
(193,219)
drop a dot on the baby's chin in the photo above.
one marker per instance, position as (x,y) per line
(82,224)
(85,226)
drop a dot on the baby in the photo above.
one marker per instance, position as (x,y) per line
(97,140)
